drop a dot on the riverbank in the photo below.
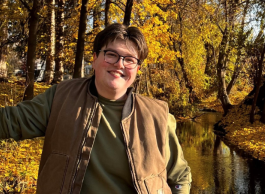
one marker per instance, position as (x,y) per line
(250,138)
(236,129)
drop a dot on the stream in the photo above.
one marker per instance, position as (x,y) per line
(217,168)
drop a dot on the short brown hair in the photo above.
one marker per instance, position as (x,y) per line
(120,31)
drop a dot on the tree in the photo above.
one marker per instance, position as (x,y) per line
(128,11)
(107,7)
(58,75)
(221,73)
(230,9)
(261,59)
(262,119)
(50,62)
(31,54)
(3,46)
(177,45)
(241,38)
(81,40)
(210,59)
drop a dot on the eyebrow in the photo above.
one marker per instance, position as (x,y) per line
(127,55)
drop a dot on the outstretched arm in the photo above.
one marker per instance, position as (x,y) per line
(28,119)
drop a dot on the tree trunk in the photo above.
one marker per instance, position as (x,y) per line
(50,62)
(32,42)
(128,11)
(221,66)
(58,75)
(209,59)
(234,79)
(262,119)
(252,113)
(3,47)
(81,40)
(241,40)
(3,68)
(107,6)
(188,85)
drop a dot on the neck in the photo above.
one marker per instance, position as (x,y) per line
(112,95)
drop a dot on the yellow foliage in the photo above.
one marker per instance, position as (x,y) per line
(19,164)
(19,161)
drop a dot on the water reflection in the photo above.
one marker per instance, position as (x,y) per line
(215,167)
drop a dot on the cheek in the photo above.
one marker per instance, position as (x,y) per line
(131,73)
(99,65)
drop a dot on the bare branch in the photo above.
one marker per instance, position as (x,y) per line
(25,5)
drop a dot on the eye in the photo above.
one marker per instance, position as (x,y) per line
(130,60)
(111,54)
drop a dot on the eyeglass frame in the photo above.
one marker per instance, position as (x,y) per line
(120,56)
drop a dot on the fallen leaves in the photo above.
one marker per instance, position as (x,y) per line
(19,161)
(19,164)
(240,132)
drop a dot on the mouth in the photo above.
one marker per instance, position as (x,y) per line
(116,74)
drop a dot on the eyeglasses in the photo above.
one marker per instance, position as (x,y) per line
(112,57)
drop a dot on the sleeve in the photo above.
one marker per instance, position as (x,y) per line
(28,119)
(178,171)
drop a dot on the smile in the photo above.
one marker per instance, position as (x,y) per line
(116,74)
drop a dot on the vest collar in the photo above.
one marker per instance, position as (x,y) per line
(128,106)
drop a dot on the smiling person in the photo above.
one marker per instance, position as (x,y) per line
(100,137)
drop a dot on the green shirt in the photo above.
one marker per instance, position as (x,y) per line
(108,168)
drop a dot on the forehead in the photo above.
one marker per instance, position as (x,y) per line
(120,45)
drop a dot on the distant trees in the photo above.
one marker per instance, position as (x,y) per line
(196,48)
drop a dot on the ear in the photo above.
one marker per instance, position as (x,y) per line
(94,59)
(138,67)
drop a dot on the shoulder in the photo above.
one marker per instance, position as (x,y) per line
(150,100)
(151,104)
(75,87)
(73,81)
(73,84)
(172,125)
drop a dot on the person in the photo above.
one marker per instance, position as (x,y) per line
(100,136)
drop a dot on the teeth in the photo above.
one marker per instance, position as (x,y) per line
(115,73)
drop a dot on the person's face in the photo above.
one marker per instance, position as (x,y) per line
(112,80)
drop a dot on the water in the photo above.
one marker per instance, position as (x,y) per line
(215,167)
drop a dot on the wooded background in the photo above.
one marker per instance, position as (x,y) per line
(197,48)
(199,51)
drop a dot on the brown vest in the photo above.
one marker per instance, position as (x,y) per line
(71,132)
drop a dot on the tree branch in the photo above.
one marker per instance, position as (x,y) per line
(119,2)
(25,5)
(118,6)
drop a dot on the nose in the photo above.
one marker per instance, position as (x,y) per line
(120,63)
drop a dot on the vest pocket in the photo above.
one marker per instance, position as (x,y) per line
(51,178)
(154,185)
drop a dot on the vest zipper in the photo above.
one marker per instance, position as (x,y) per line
(130,162)
(83,143)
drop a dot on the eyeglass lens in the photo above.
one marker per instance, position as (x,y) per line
(112,57)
